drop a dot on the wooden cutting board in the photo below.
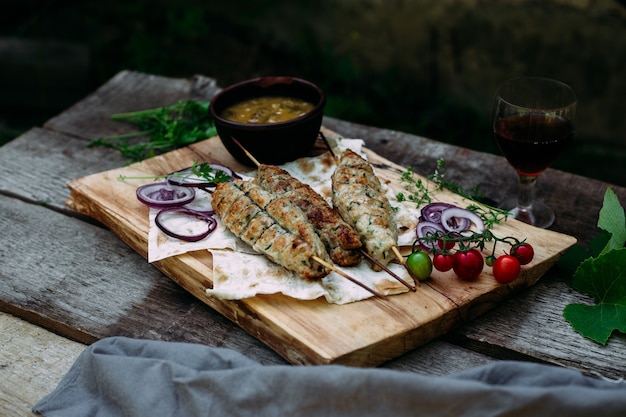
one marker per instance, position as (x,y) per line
(365,333)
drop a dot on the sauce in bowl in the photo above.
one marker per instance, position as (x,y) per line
(264,110)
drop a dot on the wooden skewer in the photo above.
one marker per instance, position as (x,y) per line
(330,149)
(389,271)
(252,158)
(403,263)
(343,274)
(315,258)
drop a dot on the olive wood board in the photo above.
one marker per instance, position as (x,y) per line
(364,333)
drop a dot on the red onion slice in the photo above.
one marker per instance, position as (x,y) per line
(186,224)
(432,212)
(426,230)
(164,194)
(460,220)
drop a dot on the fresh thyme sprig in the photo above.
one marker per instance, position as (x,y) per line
(421,195)
(417,188)
(491,215)
(439,178)
(167,128)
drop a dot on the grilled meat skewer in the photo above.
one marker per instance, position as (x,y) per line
(360,199)
(288,215)
(255,226)
(341,240)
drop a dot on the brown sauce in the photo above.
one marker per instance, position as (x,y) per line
(267,110)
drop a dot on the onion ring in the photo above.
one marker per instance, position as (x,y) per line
(460,220)
(164,194)
(185,231)
(432,212)
(425,230)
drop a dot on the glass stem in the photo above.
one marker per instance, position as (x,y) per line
(526,191)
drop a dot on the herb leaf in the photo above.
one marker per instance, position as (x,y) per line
(167,128)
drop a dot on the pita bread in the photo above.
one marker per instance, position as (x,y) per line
(238,275)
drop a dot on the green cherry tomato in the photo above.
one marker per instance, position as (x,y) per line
(506,268)
(420,265)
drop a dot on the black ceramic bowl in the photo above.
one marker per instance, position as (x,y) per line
(269,143)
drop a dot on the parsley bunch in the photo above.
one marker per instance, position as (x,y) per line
(167,128)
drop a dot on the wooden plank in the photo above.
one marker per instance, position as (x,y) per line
(370,331)
(32,363)
(542,307)
(37,165)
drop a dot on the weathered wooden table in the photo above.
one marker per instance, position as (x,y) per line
(66,280)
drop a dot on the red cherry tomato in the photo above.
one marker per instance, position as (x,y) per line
(468,264)
(506,268)
(445,244)
(523,252)
(443,261)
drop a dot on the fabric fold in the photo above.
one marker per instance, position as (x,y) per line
(121,376)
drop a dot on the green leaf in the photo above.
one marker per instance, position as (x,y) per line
(612,220)
(604,279)
(570,261)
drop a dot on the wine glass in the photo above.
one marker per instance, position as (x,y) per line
(533,121)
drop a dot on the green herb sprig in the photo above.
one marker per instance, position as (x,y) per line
(418,189)
(201,170)
(167,128)
(420,194)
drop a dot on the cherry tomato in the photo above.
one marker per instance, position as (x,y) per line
(443,261)
(506,268)
(446,244)
(523,252)
(468,264)
(489,260)
(420,265)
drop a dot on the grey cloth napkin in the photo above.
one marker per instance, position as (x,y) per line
(131,377)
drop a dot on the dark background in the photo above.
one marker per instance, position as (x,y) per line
(53,53)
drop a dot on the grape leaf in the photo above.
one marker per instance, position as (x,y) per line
(602,275)
(570,261)
(603,278)
(612,220)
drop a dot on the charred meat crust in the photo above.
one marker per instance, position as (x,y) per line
(340,239)
(247,220)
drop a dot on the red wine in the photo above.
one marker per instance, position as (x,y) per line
(531,142)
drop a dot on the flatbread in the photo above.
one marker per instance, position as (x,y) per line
(239,275)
